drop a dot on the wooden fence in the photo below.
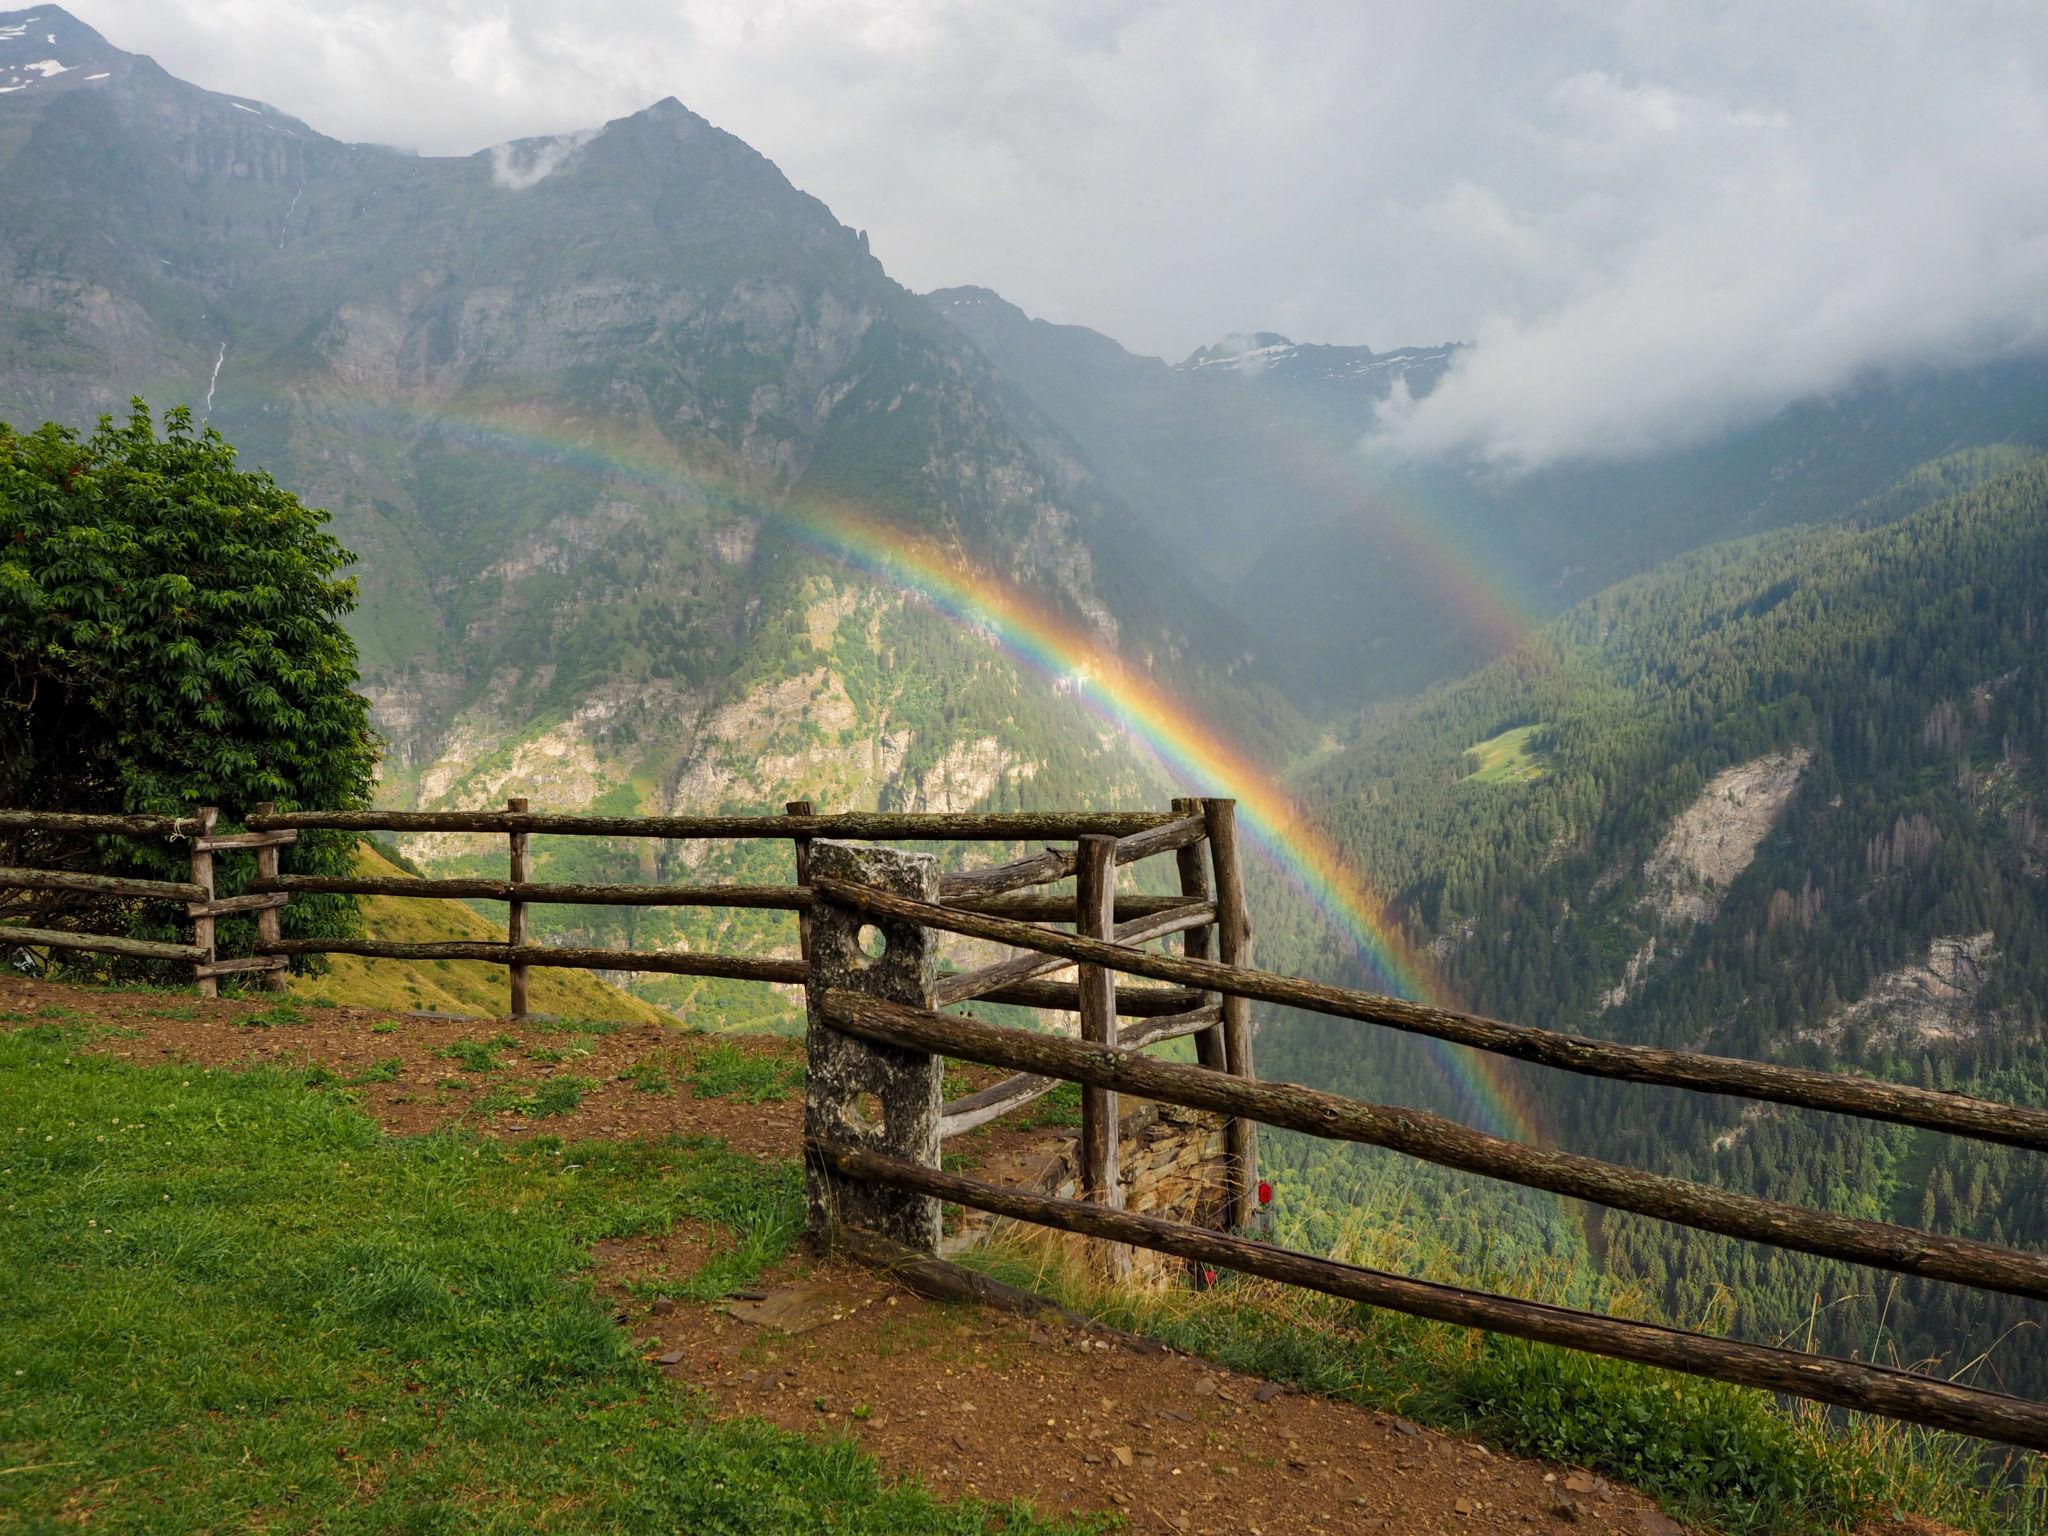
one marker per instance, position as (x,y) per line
(196,895)
(869,924)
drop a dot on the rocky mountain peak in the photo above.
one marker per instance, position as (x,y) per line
(46,48)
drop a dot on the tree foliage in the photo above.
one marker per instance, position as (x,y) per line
(171,637)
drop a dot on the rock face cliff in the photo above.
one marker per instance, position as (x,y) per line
(616,423)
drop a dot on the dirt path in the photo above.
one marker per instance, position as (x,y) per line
(1074,1420)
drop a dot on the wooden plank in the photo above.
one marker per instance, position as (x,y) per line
(1199,943)
(965,986)
(998,1099)
(98,943)
(81,821)
(202,925)
(1137,1002)
(232,840)
(800,848)
(1032,908)
(515,913)
(275,964)
(1875,1389)
(1437,1140)
(963,1114)
(225,906)
(1234,948)
(12,878)
(269,927)
(857,826)
(789,898)
(1957,1113)
(1058,863)
(729,967)
(1095,895)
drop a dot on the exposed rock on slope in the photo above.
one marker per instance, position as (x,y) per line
(1932,1003)
(1713,840)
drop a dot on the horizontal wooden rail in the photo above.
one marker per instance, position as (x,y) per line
(227,906)
(99,944)
(1030,908)
(669,963)
(793,898)
(1131,1002)
(245,965)
(1820,1378)
(79,821)
(1437,1140)
(857,826)
(12,878)
(1957,1113)
(965,986)
(1058,863)
(998,1099)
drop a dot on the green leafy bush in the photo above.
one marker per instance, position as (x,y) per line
(170,637)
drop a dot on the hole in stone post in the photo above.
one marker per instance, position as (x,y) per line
(866,1112)
(871,941)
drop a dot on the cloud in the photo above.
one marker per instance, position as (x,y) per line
(1652,218)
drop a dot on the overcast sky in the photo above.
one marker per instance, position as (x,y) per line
(1653,219)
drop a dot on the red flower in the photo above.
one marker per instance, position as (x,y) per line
(1208,1278)
(1265,1193)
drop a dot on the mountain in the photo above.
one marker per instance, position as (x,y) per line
(1365,576)
(1783,798)
(617,422)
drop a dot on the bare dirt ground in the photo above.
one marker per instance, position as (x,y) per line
(975,1402)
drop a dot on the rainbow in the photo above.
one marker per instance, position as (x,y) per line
(1190,752)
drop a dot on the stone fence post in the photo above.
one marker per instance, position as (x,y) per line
(874,1097)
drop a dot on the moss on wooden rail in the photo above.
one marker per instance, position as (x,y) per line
(1958,1113)
(1437,1140)
(1819,1378)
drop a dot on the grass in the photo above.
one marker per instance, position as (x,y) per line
(233,1304)
(537,1101)
(285,1010)
(725,1071)
(1513,757)
(1721,1455)
(475,1055)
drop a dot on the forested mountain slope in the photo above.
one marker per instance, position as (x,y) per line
(1785,798)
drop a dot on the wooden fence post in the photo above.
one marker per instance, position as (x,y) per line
(269,922)
(1095,918)
(863,1094)
(803,876)
(1234,942)
(515,915)
(1199,943)
(202,876)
